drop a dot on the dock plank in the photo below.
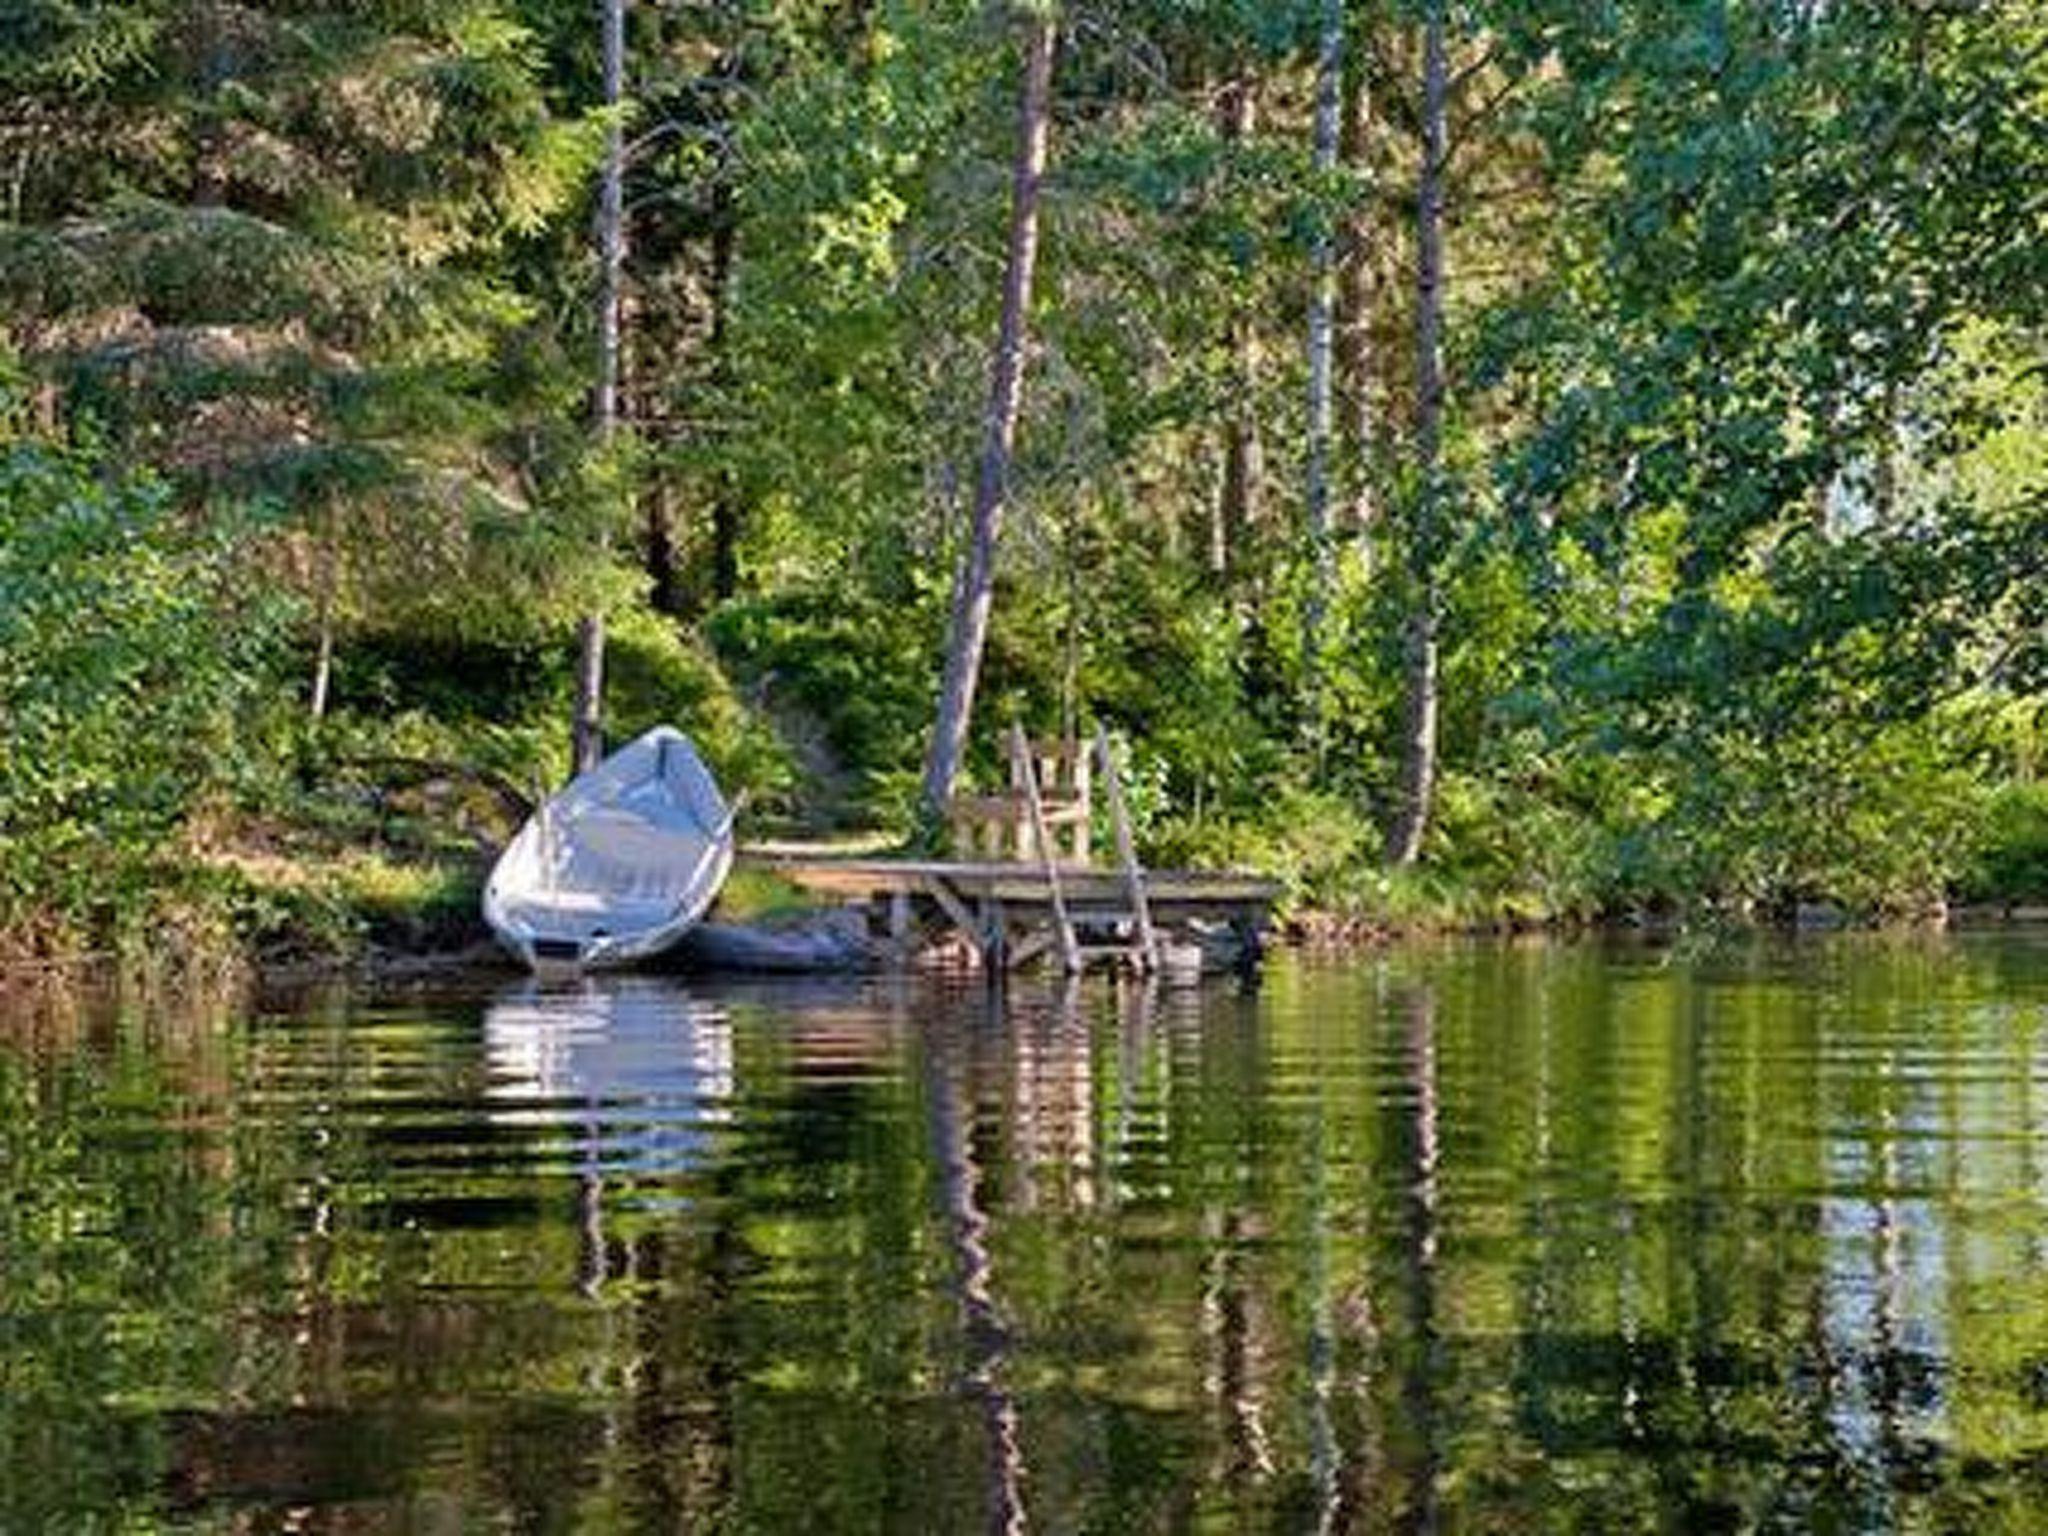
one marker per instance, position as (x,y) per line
(1006,882)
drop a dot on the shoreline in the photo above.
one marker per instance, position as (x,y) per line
(288,958)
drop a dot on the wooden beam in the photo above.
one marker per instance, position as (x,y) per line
(1028,949)
(955,909)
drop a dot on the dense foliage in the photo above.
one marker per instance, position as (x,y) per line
(130,675)
(1715,547)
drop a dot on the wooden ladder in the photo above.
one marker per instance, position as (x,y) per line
(1141,952)
(1024,771)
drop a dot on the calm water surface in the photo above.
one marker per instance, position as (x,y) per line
(1475,1238)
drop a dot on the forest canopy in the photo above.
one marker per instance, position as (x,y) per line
(1516,459)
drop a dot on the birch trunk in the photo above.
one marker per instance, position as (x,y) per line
(587,733)
(1419,725)
(974,591)
(1321,414)
(1354,307)
(1244,457)
(323,662)
(323,620)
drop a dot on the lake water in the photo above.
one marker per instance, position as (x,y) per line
(1481,1237)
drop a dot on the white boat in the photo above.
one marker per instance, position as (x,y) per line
(618,864)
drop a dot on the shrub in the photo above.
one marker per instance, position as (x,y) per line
(129,665)
(2010,860)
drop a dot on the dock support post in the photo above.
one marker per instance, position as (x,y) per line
(995,940)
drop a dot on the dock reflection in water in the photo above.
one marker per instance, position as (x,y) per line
(1486,1236)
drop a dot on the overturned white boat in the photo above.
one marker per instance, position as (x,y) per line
(618,864)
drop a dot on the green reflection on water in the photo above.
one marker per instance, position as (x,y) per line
(1484,1237)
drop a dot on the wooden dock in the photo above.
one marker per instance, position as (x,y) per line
(1006,911)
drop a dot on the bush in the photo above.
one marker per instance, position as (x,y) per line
(1879,819)
(504,708)
(129,666)
(2010,861)
(655,676)
(1319,847)
(1516,852)
(858,673)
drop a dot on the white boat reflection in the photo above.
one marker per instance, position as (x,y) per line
(636,1066)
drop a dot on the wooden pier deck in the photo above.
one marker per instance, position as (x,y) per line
(1005,910)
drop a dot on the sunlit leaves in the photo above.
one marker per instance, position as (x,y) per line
(126,655)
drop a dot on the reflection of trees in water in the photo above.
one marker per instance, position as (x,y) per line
(1746,1318)
(1421,1147)
(1234,1375)
(1508,1242)
(677,1449)
(986,1335)
(814,1071)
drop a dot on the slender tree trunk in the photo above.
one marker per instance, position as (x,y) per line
(974,592)
(323,617)
(611,226)
(1244,458)
(661,558)
(1884,490)
(1419,732)
(665,586)
(1354,306)
(725,513)
(1321,310)
(587,736)
(323,660)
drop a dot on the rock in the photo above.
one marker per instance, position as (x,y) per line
(1814,916)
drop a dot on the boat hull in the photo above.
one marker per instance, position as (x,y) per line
(618,865)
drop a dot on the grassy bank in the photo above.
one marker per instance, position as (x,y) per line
(405,888)
(349,860)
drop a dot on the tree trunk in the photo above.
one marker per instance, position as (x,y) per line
(1354,307)
(323,663)
(725,514)
(611,226)
(1884,489)
(643,383)
(1244,459)
(323,624)
(974,592)
(664,576)
(587,731)
(1419,733)
(1322,304)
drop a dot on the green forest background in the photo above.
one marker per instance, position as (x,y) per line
(1717,555)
